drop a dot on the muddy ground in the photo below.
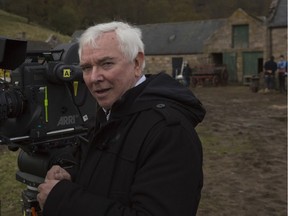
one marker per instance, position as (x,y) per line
(244,137)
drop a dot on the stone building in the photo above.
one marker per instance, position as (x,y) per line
(242,42)
(167,45)
(239,44)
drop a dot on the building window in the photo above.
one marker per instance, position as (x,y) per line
(240,36)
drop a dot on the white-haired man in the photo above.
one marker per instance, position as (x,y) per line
(144,156)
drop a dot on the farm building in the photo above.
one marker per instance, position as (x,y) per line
(242,42)
(239,44)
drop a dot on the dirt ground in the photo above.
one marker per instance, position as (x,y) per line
(244,137)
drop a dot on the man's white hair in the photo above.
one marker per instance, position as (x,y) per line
(129,37)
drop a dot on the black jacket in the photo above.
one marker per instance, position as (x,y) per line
(187,71)
(270,66)
(146,160)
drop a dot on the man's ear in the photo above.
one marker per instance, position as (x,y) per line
(139,61)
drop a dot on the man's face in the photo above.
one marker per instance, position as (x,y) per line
(107,73)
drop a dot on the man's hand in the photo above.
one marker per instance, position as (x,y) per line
(54,175)
(57,173)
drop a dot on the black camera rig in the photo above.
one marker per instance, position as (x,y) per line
(45,110)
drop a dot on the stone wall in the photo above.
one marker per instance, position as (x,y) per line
(278,42)
(158,63)
(221,40)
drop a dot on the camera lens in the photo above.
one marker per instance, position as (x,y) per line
(11,103)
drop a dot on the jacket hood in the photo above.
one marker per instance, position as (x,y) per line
(160,88)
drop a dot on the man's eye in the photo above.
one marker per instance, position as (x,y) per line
(86,68)
(107,65)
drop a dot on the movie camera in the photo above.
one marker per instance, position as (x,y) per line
(45,110)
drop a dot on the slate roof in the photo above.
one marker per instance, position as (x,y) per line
(178,38)
(175,38)
(279,18)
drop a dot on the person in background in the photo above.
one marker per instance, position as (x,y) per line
(187,72)
(270,67)
(282,73)
(144,156)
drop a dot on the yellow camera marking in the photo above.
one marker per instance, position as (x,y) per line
(66,73)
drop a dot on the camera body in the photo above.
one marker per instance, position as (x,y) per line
(46,97)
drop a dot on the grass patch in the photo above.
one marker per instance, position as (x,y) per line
(12,26)
(10,189)
(216,144)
